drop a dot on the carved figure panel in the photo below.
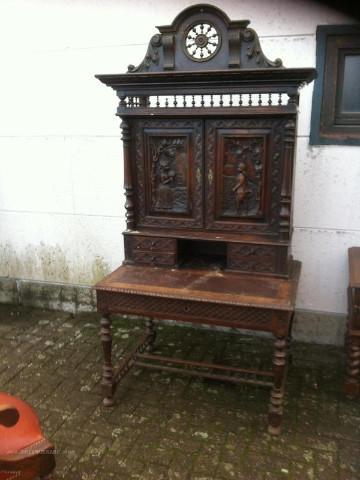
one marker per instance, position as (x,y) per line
(243,161)
(169,174)
(242,175)
(167,158)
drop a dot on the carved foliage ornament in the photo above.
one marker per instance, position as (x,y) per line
(254,50)
(152,55)
(240,316)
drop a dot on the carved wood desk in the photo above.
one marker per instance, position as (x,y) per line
(200,296)
(208,127)
(353,328)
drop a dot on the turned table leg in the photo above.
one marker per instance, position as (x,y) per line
(289,340)
(150,331)
(277,392)
(352,366)
(107,384)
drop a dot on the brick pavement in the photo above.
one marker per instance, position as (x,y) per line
(168,427)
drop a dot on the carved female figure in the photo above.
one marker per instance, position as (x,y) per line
(164,194)
(241,190)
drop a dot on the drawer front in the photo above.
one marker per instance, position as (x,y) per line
(255,266)
(156,244)
(151,258)
(250,258)
(246,250)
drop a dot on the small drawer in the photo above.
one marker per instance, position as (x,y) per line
(248,251)
(251,265)
(254,258)
(154,258)
(156,244)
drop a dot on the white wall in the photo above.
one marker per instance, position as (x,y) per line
(61,195)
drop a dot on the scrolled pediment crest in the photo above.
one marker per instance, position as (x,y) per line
(203,37)
(151,57)
(254,50)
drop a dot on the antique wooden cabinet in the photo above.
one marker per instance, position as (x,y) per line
(208,127)
(353,327)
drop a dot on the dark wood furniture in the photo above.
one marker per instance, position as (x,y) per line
(353,328)
(208,127)
(25,454)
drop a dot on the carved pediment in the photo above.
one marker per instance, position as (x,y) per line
(203,37)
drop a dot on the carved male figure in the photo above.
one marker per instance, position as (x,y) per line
(241,190)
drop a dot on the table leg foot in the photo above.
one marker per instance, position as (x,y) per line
(275,412)
(108,402)
(274,431)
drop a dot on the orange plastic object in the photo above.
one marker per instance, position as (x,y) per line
(25,454)
(24,433)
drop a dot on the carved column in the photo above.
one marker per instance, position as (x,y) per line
(107,384)
(294,99)
(277,392)
(128,177)
(286,184)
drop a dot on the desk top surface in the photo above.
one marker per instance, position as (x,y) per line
(205,285)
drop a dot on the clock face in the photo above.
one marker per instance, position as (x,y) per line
(202,41)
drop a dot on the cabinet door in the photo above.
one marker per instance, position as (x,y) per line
(243,168)
(168,163)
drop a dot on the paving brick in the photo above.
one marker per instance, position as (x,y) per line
(181,466)
(66,457)
(155,472)
(153,453)
(326,466)
(346,475)
(208,459)
(349,458)
(72,437)
(297,454)
(51,421)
